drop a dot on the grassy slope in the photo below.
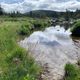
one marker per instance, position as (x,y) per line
(72,72)
(15,63)
(76,29)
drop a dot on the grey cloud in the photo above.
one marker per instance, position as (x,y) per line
(27,5)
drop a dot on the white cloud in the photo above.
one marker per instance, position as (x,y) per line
(28,5)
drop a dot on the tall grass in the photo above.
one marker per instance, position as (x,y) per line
(15,62)
(72,72)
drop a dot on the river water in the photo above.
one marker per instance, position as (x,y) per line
(53,48)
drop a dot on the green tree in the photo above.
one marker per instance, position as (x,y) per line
(1,10)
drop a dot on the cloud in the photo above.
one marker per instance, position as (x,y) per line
(28,5)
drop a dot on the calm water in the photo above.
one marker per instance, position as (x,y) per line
(55,47)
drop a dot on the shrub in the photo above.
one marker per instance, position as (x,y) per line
(76,29)
(37,25)
(40,25)
(25,29)
(72,72)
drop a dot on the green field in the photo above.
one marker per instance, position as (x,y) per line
(15,62)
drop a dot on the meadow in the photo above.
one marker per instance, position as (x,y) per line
(15,62)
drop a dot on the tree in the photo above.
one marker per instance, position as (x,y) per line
(67,15)
(1,10)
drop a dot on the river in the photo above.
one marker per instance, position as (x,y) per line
(53,49)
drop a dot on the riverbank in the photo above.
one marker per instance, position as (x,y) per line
(15,62)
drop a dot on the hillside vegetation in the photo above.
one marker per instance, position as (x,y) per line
(76,29)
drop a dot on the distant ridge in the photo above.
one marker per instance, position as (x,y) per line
(42,13)
(54,14)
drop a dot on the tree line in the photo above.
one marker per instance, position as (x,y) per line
(44,13)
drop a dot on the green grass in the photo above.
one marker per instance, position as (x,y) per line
(15,62)
(72,72)
(76,29)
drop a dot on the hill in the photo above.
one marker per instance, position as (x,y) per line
(54,14)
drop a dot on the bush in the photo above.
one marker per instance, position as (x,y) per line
(40,25)
(72,72)
(25,29)
(76,29)
(37,25)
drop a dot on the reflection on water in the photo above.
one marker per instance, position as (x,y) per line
(54,47)
(54,35)
(51,35)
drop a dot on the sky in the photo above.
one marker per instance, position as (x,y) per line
(28,5)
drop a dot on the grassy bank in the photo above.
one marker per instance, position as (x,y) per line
(76,29)
(72,72)
(15,62)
